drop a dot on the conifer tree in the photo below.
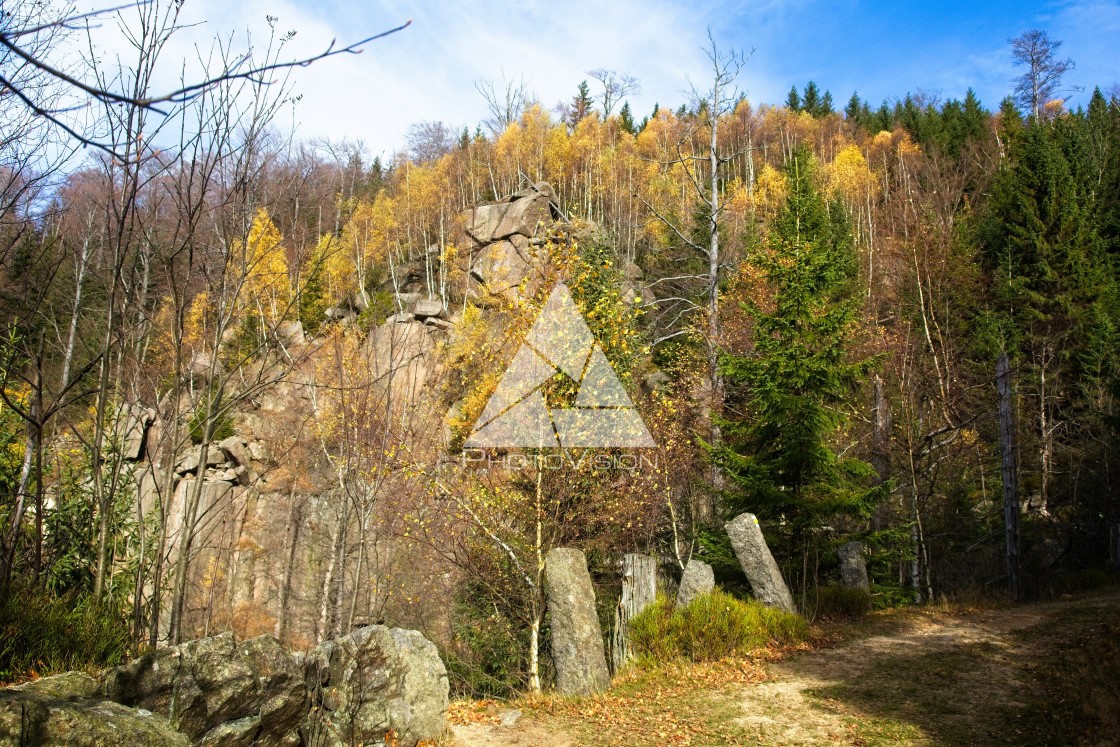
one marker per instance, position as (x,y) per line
(791,388)
(793,100)
(811,99)
(854,111)
(626,119)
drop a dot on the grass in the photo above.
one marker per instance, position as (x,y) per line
(835,602)
(1076,675)
(43,634)
(966,672)
(711,627)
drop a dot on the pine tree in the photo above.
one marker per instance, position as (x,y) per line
(581,105)
(790,390)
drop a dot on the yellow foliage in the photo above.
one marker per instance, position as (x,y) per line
(259,267)
(195,325)
(850,175)
(12,431)
(771,190)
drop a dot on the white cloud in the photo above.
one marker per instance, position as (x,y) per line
(427,71)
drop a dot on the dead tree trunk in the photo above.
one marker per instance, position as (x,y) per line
(1010,474)
(639,590)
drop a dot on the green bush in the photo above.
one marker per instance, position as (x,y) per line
(1086,579)
(486,659)
(41,633)
(712,626)
(836,602)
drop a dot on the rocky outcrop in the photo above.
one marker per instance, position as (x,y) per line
(509,250)
(66,710)
(373,682)
(216,692)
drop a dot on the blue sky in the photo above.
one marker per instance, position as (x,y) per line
(881,49)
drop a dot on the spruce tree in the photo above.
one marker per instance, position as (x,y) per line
(854,111)
(791,389)
(1054,289)
(811,99)
(793,100)
(884,119)
(626,119)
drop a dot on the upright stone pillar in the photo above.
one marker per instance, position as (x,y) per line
(853,566)
(577,639)
(758,563)
(698,579)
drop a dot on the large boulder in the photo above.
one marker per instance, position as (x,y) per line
(190,461)
(63,711)
(291,333)
(374,681)
(577,638)
(758,563)
(523,213)
(216,691)
(399,358)
(504,265)
(424,308)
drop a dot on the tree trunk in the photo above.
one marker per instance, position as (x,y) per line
(639,590)
(1010,474)
(283,621)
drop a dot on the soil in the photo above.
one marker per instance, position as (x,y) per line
(918,678)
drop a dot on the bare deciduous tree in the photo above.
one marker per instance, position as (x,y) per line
(427,141)
(507,104)
(1043,78)
(615,87)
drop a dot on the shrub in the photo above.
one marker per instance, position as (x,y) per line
(486,657)
(836,602)
(41,633)
(712,626)
(1086,579)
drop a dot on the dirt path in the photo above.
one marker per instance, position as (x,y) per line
(919,678)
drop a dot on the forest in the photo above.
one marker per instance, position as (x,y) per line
(892,322)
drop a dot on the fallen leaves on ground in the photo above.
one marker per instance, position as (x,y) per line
(467,712)
(670,705)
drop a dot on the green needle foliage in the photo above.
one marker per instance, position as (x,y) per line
(792,386)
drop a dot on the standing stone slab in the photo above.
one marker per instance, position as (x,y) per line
(853,566)
(758,564)
(698,579)
(577,639)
